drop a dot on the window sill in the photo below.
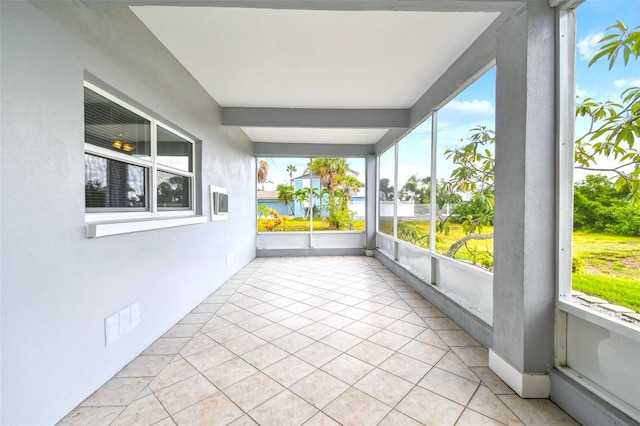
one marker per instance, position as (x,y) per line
(104,229)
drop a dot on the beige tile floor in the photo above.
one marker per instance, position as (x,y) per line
(313,341)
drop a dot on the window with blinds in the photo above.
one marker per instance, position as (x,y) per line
(133,162)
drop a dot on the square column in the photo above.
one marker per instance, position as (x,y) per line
(525,202)
(371,197)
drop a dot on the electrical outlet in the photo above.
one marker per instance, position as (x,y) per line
(229,259)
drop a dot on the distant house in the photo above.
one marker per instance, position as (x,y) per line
(270,198)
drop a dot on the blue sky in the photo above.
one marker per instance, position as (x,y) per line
(594,16)
(472,107)
(597,81)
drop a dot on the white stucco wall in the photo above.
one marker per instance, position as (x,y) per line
(57,285)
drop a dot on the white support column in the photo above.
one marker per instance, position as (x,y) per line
(371,200)
(525,225)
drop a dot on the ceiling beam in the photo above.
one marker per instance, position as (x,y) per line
(268,149)
(316,118)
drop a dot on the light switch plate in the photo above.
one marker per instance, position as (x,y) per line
(118,324)
(125,320)
(111,327)
(135,314)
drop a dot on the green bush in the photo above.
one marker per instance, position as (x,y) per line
(600,207)
(624,221)
(341,219)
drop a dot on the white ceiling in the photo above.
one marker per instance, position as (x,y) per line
(314,58)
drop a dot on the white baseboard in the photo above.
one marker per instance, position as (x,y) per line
(525,385)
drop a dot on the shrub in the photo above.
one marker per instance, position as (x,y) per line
(276,223)
(341,219)
(600,207)
(624,221)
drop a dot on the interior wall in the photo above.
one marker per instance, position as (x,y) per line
(58,286)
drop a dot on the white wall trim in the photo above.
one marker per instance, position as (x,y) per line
(104,229)
(525,385)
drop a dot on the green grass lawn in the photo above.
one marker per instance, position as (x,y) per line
(611,267)
(618,290)
(456,233)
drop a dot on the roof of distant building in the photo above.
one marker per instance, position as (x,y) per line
(267,195)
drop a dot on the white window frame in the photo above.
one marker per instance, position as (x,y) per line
(104,223)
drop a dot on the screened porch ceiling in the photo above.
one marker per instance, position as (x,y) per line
(321,72)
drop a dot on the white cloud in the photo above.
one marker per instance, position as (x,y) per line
(623,82)
(475,106)
(581,93)
(620,83)
(587,47)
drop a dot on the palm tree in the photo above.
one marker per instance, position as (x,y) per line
(386,191)
(416,189)
(263,170)
(291,168)
(410,188)
(328,170)
(286,196)
(423,193)
(350,186)
(302,197)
